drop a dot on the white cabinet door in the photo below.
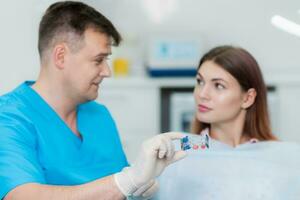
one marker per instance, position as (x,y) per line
(289,96)
(136,113)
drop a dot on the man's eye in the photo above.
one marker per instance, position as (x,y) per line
(99,61)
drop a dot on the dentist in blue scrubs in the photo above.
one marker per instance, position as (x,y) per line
(55,141)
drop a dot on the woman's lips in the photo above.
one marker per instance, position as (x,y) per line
(203,108)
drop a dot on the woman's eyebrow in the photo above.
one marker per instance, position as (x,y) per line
(199,74)
(213,79)
(218,79)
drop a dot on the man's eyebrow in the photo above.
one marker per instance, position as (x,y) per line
(102,55)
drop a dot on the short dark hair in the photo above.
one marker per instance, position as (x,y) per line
(63,19)
(245,69)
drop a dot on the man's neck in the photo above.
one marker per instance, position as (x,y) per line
(62,105)
(54,95)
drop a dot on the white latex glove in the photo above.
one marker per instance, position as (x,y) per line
(145,192)
(156,154)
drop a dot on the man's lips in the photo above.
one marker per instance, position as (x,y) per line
(97,82)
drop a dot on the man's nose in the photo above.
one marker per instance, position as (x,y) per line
(105,71)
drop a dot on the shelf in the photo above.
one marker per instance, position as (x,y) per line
(270,79)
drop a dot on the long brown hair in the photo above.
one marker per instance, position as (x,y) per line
(244,68)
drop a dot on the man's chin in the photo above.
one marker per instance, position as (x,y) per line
(90,97)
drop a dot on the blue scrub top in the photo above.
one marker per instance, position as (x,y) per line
(36,146)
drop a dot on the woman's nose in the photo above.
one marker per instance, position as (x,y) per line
(204,92)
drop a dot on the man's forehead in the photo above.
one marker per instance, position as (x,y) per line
(98,42)
(96,34)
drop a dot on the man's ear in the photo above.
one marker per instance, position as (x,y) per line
(249,98)
(59,54)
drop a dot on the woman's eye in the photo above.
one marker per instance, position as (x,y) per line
(219,86)
(200,82)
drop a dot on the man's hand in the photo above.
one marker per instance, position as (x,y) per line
(156,154)
(145,192)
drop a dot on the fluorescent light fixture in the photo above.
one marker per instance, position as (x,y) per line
(286,25)
(159,10)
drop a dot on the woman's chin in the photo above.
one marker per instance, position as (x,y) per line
(203,119)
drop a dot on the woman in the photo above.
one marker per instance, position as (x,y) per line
(231,98)
(234,155)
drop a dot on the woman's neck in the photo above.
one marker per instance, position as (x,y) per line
(230,133)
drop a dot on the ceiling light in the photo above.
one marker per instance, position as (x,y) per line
(286,25)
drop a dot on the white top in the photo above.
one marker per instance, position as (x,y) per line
(250,171)
(204,142)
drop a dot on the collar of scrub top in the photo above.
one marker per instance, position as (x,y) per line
(38,103)
(35,100)
(41,106)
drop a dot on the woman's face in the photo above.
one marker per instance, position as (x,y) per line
(218,95)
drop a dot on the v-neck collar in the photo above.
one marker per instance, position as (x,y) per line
(216,143)
(42,107)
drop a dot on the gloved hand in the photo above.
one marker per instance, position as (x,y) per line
(156,154)
(146,191)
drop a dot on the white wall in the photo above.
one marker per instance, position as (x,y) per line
(18,41)
(19,31)
(243,23)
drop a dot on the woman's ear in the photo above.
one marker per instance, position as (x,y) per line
(249,98)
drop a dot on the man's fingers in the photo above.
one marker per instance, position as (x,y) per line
(171,151)
(163,148)
(166,148)
(178,156)
(155,143)
(174,135)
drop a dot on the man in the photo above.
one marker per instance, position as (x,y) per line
(55,141)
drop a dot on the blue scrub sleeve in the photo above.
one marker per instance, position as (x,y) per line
(18,155)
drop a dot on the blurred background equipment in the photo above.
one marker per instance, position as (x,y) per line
(173,56)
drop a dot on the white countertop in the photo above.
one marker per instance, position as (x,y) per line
(270,79)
